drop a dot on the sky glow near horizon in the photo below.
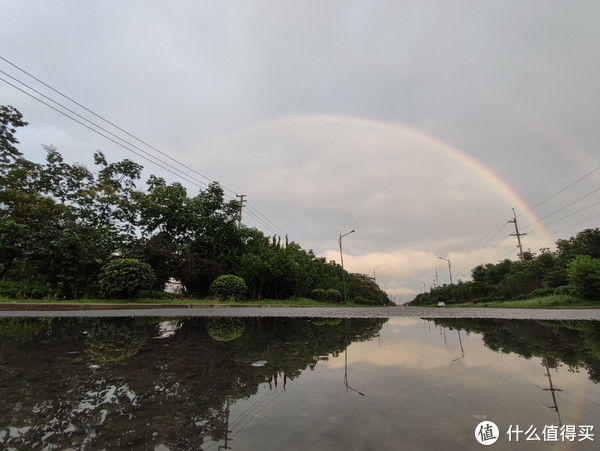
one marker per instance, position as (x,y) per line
(274,99)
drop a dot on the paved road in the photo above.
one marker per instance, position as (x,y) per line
(339,312)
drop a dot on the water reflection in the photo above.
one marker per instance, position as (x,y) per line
(256,383)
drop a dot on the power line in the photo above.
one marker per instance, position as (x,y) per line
(562,189)
(147,156)
(90,122)
(577,223)
(569,204)
(265,217)
(570,214)
(110,122)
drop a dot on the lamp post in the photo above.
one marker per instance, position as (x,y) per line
(342,260)
(449,267)
(374,277)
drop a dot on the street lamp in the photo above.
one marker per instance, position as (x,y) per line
(449,267)
(375,278)
(342,260)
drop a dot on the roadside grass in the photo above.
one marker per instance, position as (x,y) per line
(552,301)
(299,301)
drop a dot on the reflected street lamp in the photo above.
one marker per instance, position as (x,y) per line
(342,260)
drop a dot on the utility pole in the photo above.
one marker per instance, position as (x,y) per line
(551,389)
(342,261)
(227,431)
(242,202)
(437,282)
(517,234)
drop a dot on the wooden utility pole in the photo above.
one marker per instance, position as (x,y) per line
(518,235)
(242,199)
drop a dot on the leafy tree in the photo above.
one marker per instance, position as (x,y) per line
(584,275)
(10,119)
(586,242)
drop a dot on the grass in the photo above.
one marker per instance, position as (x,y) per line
(304,302)
(552,301)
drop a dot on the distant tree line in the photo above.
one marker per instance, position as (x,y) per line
(572,270)
(62,223)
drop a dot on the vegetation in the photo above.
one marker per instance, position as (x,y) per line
(568,276)
(168,298)
(62,225)
(229,287)
(125,277)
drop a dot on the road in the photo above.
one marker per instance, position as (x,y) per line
(338,312)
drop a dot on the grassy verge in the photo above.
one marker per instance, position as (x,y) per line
(306,302)
(552,301)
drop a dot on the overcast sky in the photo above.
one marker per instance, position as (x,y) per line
(327,113)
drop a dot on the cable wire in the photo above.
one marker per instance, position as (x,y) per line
(109,122)
(147,156)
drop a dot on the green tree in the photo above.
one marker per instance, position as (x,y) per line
(584,275)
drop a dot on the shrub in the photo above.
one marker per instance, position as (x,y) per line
(229,287)
(125,277)
(113,340)
(566,290)
(363,301)
(584,275)
(333,295)
(540,292)
(319,294)
(24,290)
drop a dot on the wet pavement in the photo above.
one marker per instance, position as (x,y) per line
(323,312)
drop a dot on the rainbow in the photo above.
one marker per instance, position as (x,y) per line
(463,158)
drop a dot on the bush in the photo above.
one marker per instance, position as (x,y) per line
(125,277)
(584,275)
(363,301)
(229,287)
(225,329)
(565,290)
(24,290)
(540,292)
(319,294)
(333,295)
(113,340)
